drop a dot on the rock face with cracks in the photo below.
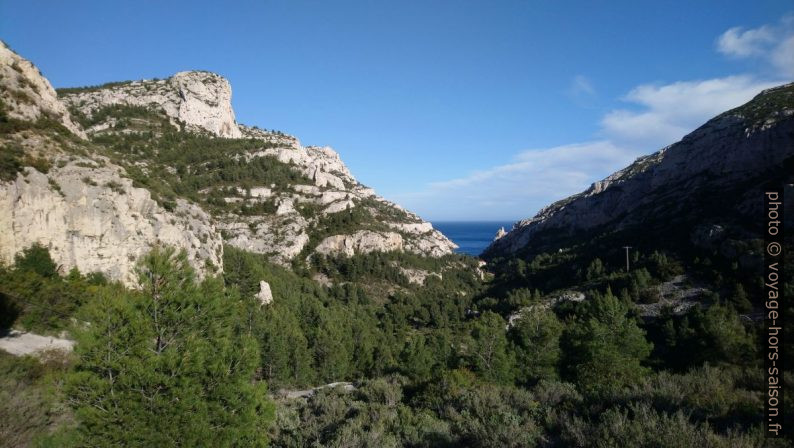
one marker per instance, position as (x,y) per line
(92,218)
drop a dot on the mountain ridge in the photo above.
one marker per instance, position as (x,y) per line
(746,144)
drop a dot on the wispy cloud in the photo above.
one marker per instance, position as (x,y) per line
(581,86)
(743,43)
(773,44)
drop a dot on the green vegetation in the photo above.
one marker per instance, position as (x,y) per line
(69,90)
(32,407)
(173,163)
(765,105)
(48,125)
(167,366)
(37,298)
(10,162)
(604,349)
(432,365)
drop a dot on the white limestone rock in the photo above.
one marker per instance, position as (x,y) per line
(340,206)
(261,192)
(281,236)
(285,206)
(337,190)
(418,276)
(279,138)
(95,220)
(202,100)
(361,242)
(265,296)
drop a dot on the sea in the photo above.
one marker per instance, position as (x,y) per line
(472,237)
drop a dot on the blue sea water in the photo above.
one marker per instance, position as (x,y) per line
(472,236)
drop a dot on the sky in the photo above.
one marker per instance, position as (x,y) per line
(458,110)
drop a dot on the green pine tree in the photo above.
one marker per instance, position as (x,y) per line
(605,351)
(536,336)
(165,366)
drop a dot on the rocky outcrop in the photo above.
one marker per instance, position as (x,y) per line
(93,219)
(265,295)
(712,174)
(285,233)
(432,243)
(29,96)
(361,242)
(201,100)
(418,276)
(83,207)
(674,295)
(548,302)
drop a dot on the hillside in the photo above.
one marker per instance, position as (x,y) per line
(702,190)
(101,174)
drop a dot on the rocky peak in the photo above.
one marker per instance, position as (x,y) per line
(27,95)
(201,100)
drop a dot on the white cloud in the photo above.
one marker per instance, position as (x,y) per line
(667,112)
(522,187)
(771,43)
(736,42)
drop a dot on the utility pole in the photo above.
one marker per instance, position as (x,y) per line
(627,257)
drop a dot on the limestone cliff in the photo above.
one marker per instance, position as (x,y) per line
(299,209)
(74,201)
(713,176)
(139,163)
(200,100)
(91,218)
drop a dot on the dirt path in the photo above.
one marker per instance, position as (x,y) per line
(19,343)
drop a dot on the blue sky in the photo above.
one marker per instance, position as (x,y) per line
(459,110)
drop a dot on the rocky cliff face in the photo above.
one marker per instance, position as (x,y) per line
(200,100)
(91,218)
(713,175)
(82,204)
